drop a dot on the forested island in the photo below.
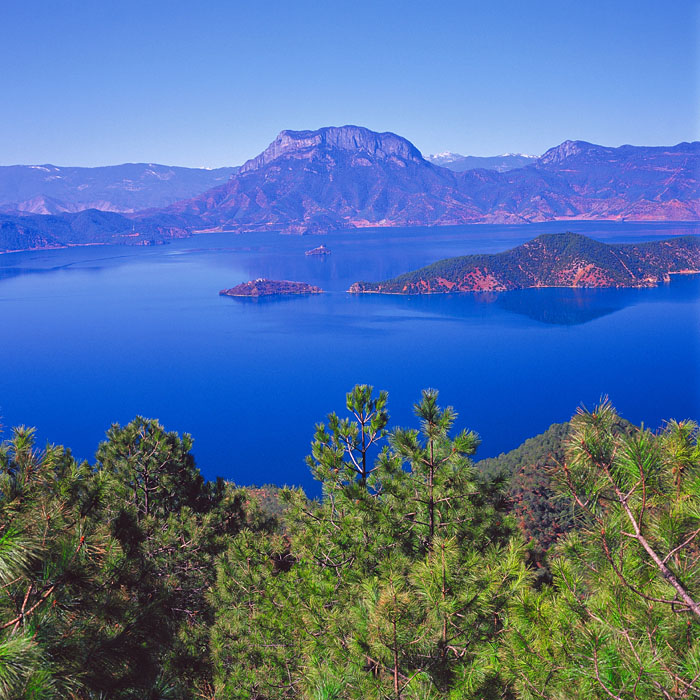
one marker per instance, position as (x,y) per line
(567,568)
(551,260)
(262,287)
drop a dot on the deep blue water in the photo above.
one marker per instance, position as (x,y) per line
(99,334)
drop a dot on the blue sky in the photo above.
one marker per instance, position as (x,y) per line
(211,82)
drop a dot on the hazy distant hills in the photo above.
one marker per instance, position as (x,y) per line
(348,177)
(460,163)
(86,227)
(48,189)
(550,260)
(344,177)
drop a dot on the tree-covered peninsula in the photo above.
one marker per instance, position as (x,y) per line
(551,260)
(418,575)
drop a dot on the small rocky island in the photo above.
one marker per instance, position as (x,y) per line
(321,250)
(550,260)
(262,288)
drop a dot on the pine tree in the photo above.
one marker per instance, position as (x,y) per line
(70,595)
(622,618)
(458,562)
(393,586)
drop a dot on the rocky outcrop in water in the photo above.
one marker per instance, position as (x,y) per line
(320,250)
(262,287)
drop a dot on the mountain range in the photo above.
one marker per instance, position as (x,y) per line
(348,177)
(91,227)
(550,260)
(345,177)
(49,189)
(460,163)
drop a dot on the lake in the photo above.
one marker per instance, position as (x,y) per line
(96,335)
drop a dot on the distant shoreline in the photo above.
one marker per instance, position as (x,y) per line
(635,222)
(345,229)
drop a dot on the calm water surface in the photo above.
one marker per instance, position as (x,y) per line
(99,334)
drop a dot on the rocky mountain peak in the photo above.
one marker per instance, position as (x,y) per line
(564,151)
(356,139)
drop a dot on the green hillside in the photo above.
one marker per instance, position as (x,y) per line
(551,260)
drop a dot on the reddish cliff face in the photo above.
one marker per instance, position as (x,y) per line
(476,280)
(346,177)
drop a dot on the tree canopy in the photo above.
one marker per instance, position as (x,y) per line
(416,576)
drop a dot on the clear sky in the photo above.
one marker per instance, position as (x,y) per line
(211,82)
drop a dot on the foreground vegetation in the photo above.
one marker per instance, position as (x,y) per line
(569,569)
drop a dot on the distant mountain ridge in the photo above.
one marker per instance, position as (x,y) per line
(460,163)
(302,144)
(87,227)
(50,189)
(550,260)
(348,177)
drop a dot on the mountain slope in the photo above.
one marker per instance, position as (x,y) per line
(333,178)
(48,189)
(346,177)
(637,182)
(550,260)
(86,227)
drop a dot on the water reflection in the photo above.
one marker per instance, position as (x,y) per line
(268,299)
(565,307)
(203,265)
(553,306)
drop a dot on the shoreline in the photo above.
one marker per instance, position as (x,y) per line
(518,289)
(282,232)
(87,245)
(388,226)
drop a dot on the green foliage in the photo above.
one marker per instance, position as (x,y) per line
(543,513)
(134,578)
(395,585)
(154,471)
(544,450)
(622,619)
(268,497)
(340,453)
(104,570)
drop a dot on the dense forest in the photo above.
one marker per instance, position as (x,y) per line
(568,568)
